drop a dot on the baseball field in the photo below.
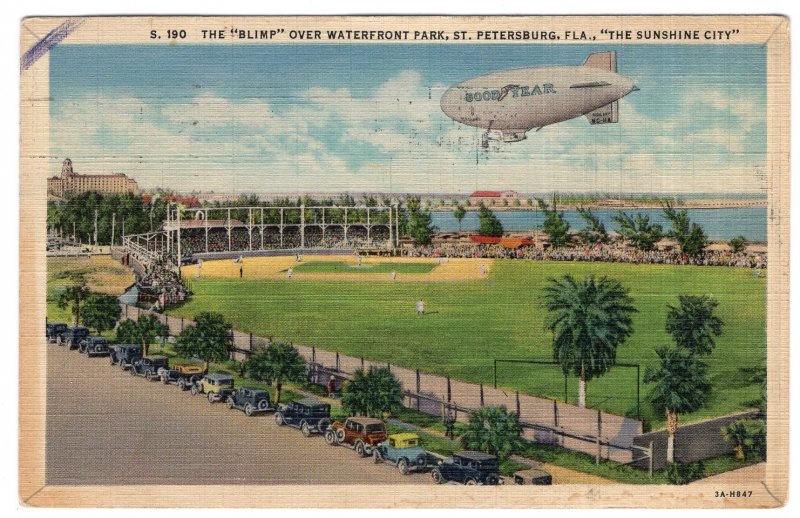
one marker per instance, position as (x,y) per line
(478,310)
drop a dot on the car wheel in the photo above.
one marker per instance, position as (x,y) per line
(230,402)
(279,419)
(471,482)
(340,435)
(376,457)
(323,425)
(165,379)
(111,360)
(210,397)
(360,450)
(248,410)
(262,405)
(59,341)
(69,344)
(436,476)
(181,384)
(304,428)
(194,390)
(133,371)
(402,466)
(148,375)
(122,364)
(330,437)
(492,481)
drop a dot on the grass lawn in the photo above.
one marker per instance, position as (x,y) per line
(469,324)
(364,267)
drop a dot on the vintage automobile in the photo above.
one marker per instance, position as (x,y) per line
(124,355)
(73,336)
(362,434)
(94,346)
(54,331)
(468,467)
(216,385)
(249,400)
(404,451)
(184,375)
(309,415)
(535,476)
(148,367)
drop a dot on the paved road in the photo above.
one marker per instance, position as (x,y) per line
(108,427)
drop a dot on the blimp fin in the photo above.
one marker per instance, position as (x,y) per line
(602,60)
(608,114)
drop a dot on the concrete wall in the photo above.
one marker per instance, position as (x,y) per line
(693,442)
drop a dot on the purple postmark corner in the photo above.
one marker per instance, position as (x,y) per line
(43,46)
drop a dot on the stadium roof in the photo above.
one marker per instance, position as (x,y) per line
(485,194)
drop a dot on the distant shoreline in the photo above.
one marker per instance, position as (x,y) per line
(624,205)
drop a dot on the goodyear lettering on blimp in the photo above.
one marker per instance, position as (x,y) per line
(515,90)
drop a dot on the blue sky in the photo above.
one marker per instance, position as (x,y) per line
(299,118)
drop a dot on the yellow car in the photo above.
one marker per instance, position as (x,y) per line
(217,386)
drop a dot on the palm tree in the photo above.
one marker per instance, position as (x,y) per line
(693,324)
(589,320)
(680,386)
(279,362)
(493,429)
(74,296)
(372,392)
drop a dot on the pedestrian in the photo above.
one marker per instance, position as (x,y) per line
(331,386)
(420,307)
(393,275)
(757,272)
(449,422)
(289,273)
(241,271)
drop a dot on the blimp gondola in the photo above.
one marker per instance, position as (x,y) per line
(509,103)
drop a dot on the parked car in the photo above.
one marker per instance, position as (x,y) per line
(54,331)
(124,355)
(74,335)
(362,434)
(535,476)
(148,366)
(184,375)
(468,467)
(249,400)
(94,346)
(403,450)
(309,415)
(217,386)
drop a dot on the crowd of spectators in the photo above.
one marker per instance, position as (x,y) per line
(160,285)
(607,253)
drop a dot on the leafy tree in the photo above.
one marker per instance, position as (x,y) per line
(72,297)
(459,212)
(680,386)
(420,226)
(638,230)
(555,226)
(278,362)
(209,339)
(493,429)
(127,332)
(595,231)
(737,244)
(693,324)
(589,320)
(101,312)
(488,224)
(143,331)
(372,393)
(749,438)
(688,234)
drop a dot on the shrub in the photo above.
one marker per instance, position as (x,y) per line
(680,474)
(749,438)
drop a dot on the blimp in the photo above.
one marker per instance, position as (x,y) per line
(510,103)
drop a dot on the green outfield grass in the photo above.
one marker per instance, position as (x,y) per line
(469,324)
(364,267)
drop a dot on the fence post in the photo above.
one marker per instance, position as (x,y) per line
(362,363)
(313,354)
(250,341)
(449,391)
(337,362)
(126,311)
(166,321)
(481,385)
(181,324)
(599,431)
(650,461)
(518,412)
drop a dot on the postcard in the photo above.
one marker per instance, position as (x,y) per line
(404,261)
